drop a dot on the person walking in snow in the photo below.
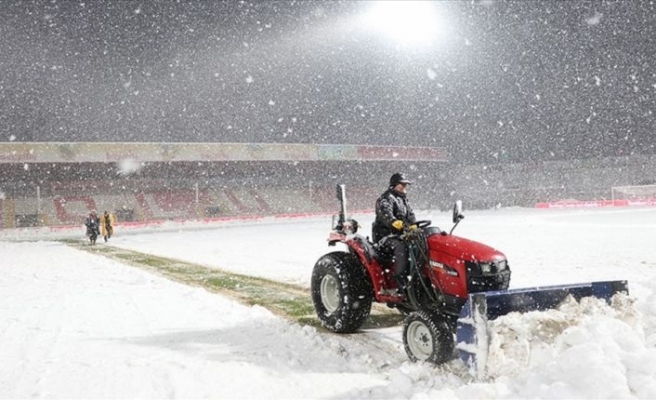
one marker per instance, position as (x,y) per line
(107,225)
(92,223)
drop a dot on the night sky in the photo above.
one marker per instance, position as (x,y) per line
(505,81)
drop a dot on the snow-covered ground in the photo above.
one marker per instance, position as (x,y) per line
(76,325)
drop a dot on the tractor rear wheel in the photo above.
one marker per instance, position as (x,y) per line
(342,292)
(427,336)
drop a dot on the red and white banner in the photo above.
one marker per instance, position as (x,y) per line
(78,152)
(596,203)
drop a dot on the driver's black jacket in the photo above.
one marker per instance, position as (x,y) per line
(391,206)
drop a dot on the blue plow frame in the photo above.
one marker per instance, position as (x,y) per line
(472,334)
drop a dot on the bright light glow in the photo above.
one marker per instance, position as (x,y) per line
(128,166)
(406,22)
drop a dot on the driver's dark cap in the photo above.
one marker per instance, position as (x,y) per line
(399,178)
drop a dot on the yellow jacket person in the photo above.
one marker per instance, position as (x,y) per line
(107,225)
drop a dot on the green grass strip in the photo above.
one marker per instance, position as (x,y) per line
(286,300)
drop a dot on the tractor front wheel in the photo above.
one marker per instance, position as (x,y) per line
(427,336)
(341,292)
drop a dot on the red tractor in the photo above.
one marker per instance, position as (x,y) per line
(446,272)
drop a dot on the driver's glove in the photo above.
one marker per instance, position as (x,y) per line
(398,225)
(413,227)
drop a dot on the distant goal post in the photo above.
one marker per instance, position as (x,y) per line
(638,193)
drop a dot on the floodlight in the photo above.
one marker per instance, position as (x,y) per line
(406,22)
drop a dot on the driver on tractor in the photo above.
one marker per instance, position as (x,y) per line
(393,215)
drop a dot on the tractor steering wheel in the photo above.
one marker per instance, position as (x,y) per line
(411,233)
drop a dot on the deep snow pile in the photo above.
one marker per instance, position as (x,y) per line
(590,345)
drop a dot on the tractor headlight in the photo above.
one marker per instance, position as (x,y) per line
(502,265)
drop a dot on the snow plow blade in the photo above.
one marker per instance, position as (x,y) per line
(472,330)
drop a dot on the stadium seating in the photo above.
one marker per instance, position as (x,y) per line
(168,204)
(249,191)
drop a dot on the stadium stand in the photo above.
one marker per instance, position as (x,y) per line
(58,184)
(59,191)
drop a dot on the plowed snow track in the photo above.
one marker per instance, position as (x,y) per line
(288,301)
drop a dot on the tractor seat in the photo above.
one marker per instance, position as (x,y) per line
(369,248)
(382,254)
(376,251)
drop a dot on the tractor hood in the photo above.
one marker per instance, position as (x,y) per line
(464,249)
